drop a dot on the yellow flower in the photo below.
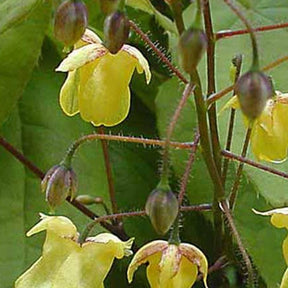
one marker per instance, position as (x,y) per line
(97,85)
(269,139)
(279,218)
(66,264)
(170,266)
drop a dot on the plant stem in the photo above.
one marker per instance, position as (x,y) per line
(162,57)
(237,62)
(170,130)
(219,192)
(250,271)
(212,84)
(240,15)
(174,234)
(227,34)
(108,169)
(185,178)
(154,142)
(40,174)
(234,190)
(228,89)
(103,219)
(176,7)
(265,168)
(204,136)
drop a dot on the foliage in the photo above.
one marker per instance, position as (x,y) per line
(31,119)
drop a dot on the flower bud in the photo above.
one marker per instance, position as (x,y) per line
(108,6)
(70,21)
(192,44)
(86,199)
(162,208)
(253,89)
(116,31)
(59,183)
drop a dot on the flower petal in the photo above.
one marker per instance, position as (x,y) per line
(82,56)
(69,93)
(268,146)
(196,256)
(153,270)
(105,99)
(285,249)
(144,255)
(118,248)
(90,37)
(279,216)
(232,103)
(169,265)
(142,62)
(187,274)
(60,225)
(55,251)
(284,282)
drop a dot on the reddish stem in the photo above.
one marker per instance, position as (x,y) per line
(188,167)
(108,168)
(40,174)
(268,169)
(226,34)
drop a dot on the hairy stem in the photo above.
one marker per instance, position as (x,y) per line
(92,137)
(265,168)
(185,178)
(170,130)
(227,34)
(162,57)
(219,192)
(251,279)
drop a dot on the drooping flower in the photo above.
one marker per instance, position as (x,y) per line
(67,264)
(279,218)
(97,85)
(269,139)
(170,265)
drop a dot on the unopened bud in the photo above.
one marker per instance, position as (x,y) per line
(59,183)
(70,21)
(253,90)
(85,199)
(192,44)
(162,209)
(108,6)
(116,31)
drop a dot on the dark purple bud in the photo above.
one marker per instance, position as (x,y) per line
(116,31)
(192,44)
(70,21)
(253,89)
(59,183)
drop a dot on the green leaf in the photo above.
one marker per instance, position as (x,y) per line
(146,6)
(41,130)
(14,11)
(265,251)
(20,47)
